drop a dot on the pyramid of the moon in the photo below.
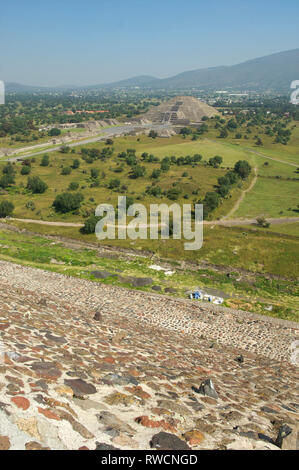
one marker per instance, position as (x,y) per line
(180,110)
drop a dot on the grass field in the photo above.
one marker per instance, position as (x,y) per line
(271,198)
(291,228)
(199,178)
(258,251)
(247,292)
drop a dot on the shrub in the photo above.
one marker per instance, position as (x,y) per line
(173,194)
(137,171)
(25,170)
(156,173)
(89,225)
(6,208)
(64,149)
(67,202)
(36,185)
(9,170)
(6,180)
(54,132)
(114,183)
(94,173)
(262,222)
(76,164)
(66,170)
(153,134)
(216,161)
(242,168)
(185,131)
(30,205)
(154,191)
(210,202)
(73,186)
(45,160)
(223,190)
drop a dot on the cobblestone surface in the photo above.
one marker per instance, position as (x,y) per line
(87,365)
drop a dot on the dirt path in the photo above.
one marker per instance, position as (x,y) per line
(238,202)
(224,221)
(45,222)
(270,158)
(248,149)
(232,222)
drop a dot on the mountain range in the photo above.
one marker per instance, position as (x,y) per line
(273,72)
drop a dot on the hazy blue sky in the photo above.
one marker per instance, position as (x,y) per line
(97,41)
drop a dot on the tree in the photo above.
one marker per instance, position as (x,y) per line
(6,180)
(156,173)
(76,164)
(6,208)
(90,225)
(9,170)
(64,149)
(242,168)
(223,190)
(36,185)
(197,157)
(137,171)
(165,164)
(262,222)
(45,160)
(67,202)
(210,202)
(232,124)
(224,181)
(154,191)
(131,160)
(185,131)
(54,132)
(216,161)
(153,134)
(202,129)
(25,170)
(232,176)
(223,133)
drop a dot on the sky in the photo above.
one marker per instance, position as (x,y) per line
(71,42)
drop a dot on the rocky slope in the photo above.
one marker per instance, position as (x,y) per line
(86,365)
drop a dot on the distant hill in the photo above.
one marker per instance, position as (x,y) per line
(140,81)
(134,82)
(273,72)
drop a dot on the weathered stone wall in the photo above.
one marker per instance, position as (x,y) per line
(87,365)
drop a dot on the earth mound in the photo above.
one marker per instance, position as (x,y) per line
(181,110)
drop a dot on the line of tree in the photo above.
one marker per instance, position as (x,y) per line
(212,199)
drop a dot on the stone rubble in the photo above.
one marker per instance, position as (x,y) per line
(101,367)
